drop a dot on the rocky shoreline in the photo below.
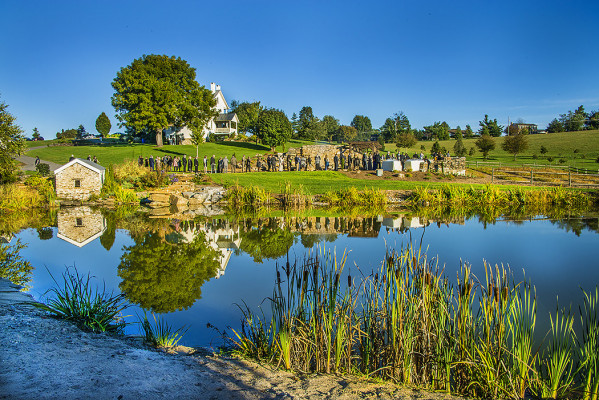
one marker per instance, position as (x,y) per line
(46,358)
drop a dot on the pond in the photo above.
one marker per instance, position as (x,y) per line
(196,272)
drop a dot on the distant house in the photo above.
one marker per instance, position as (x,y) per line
(79,179)
(224,124)
(518,127)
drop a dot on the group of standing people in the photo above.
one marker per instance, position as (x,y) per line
(366,161)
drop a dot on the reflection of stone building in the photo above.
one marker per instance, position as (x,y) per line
(352,226)
(80,225)
(221,237)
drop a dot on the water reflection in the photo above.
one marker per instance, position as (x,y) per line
(167,275)
(80,225)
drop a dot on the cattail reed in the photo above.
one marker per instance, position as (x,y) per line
(405,322)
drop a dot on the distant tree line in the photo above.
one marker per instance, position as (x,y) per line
(573,121)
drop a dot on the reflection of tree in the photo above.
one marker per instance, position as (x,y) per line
(577,225)
(107,238)
(165,277)
(266,242)
(308,240)
(45,233)
(13,267)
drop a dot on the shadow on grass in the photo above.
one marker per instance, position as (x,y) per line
(245,145)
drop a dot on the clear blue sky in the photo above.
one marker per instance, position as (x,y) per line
(444,60)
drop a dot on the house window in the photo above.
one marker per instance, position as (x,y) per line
(79,221)
(77,183)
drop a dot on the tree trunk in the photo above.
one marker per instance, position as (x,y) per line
(159,137)
(197,151)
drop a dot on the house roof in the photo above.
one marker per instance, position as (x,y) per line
(86,163)
(226,117)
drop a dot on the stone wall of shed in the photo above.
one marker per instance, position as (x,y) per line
(65,183)
(449,166)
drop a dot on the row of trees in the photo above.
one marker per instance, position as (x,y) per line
(103,127)
(573,121)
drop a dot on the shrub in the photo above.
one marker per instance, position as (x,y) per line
(543,150)
(43,186)
(77,301)
(550,159)
(535,156)
(472,151)
(562,160)
(43,169)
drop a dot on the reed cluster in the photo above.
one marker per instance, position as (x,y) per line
(493,195)
(347,197)
(406,322)
(112,188)
(252,196)
(76,300)
(160,334)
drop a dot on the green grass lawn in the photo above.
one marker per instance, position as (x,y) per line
(319,182)
(577,149)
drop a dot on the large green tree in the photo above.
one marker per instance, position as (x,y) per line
(575,120)
(36,133)
(12,144)
(166,277)
(458,148)
(397,124)
(157,91)
(437,131)
(362,124)
(273,128)
(516,143)
(405,140)
(485,144)
(103,124)
(308,126)
(248,113)
(329,125)
(346,133)
(492,127)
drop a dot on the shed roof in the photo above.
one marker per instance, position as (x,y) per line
(225,117)
(86,163)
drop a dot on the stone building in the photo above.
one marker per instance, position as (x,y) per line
(79,179)
(80,225)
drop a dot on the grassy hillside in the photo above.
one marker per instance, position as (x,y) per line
(577,149)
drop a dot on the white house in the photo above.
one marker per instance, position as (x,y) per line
(224,124)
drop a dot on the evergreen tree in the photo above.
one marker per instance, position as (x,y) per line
(103,124)
(12,144)
(492,127)
(485,144)
(36,133)
(468,133)
(458,148)
(81,132)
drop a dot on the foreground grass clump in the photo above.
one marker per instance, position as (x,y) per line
(160,334)
(77,301)
(37,192)
(407,323)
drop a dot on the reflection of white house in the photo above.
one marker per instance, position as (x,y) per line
(224,124)
(403,222)
(223,240)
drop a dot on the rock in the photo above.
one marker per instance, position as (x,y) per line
(160,197)
(178,201)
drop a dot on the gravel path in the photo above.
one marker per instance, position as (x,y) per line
(28,163)
(47,358)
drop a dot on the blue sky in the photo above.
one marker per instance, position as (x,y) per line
(448,61)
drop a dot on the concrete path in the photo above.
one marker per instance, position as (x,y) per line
(29,162)
(11,293)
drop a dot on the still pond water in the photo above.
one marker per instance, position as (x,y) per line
(195,272)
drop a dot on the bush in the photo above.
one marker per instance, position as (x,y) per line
(597,160)
(550,159)
(472,151)
(75,300)
(43,169)
(543,150)
(43,186)
(535,156)
(562,160)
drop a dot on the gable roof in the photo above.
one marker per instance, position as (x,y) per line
(86,163)
(220,94)
(226,117)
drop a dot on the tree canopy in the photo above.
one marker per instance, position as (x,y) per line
(12,144)
(395,125)
(157,91)
(267,242)
(490,127)
(103,124)
(308,126)
(405,140)
(248,114)
(516,143)
(36,133)
(346,133)
(166,277)
(362,124)
(438,130)
(330,125)
(485,144)
(273,128)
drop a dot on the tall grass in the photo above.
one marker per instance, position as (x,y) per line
(491,195)
(76,300)
(351,196)
(160,333)
(406,322)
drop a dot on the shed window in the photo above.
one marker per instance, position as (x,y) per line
(79,221)
(77,183)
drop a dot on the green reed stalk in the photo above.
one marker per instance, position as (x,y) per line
(558,361)
(589,348)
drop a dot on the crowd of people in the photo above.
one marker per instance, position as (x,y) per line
(367,161)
